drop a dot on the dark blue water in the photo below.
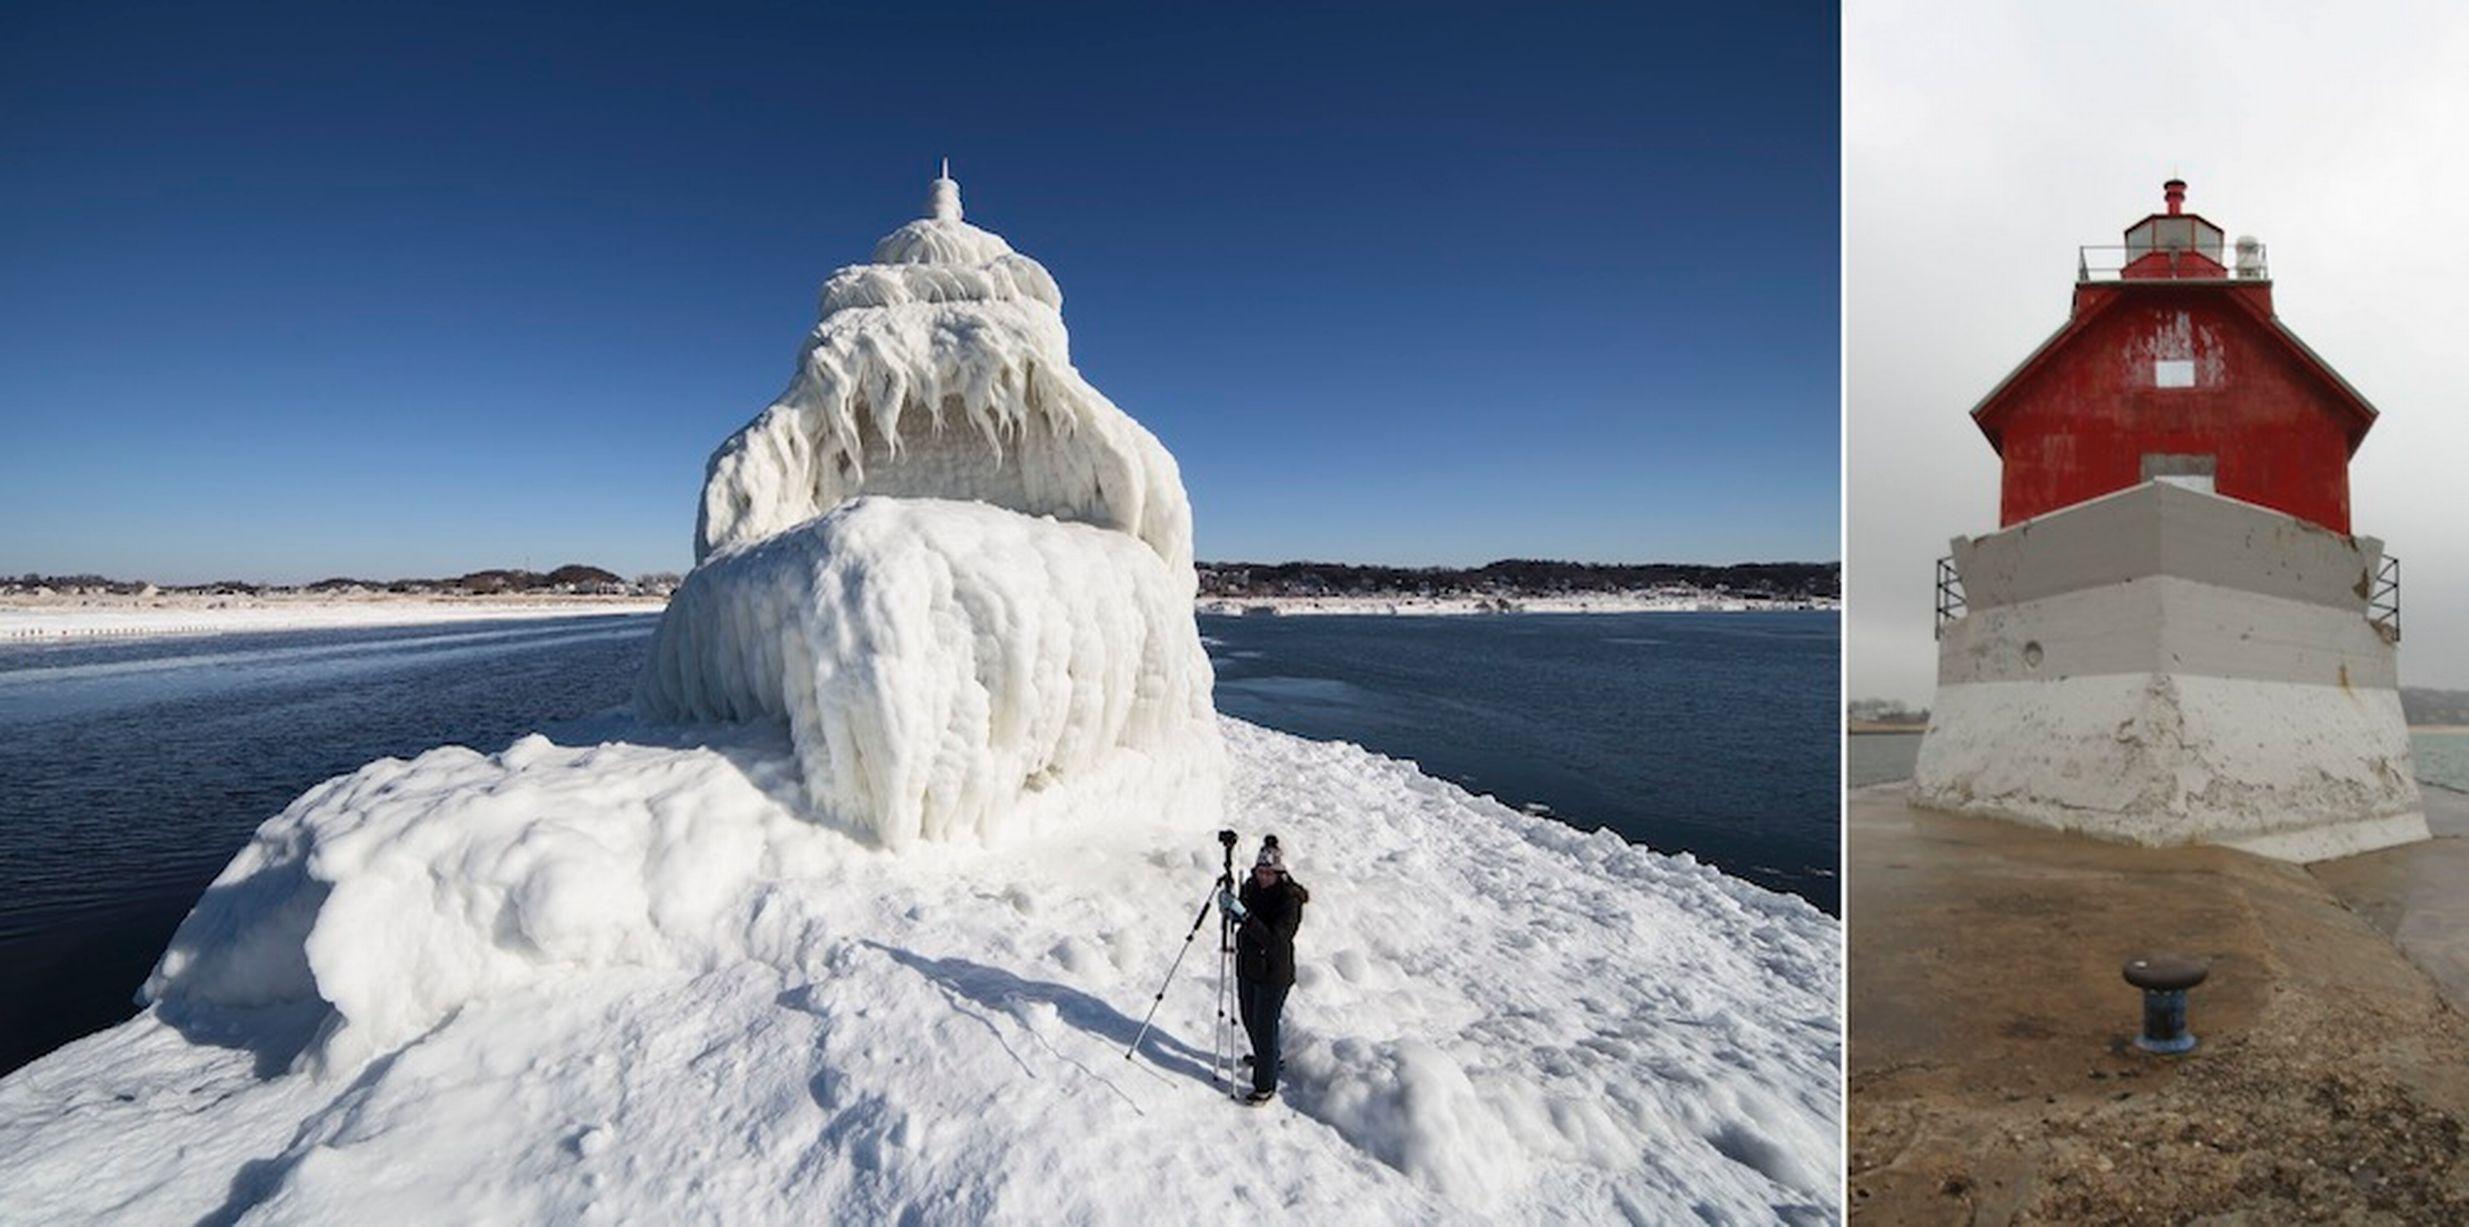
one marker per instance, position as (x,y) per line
(1714,734)
(131,771)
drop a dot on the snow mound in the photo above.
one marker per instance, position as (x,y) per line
(943,370)
(623,978)
(939,662)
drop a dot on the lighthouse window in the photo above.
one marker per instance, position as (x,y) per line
(2173,372)
(2190,472)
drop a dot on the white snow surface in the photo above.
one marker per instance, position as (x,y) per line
(947,668)
(942,369)
(619,976)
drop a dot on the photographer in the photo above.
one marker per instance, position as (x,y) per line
(1270,909)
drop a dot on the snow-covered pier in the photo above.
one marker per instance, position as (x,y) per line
(851,920)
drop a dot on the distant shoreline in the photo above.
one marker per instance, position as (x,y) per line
(1410,606)
(97,615)
(52,619)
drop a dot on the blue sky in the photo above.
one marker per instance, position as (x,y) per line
(293,291)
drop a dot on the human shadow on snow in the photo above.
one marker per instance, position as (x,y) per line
(1001,990)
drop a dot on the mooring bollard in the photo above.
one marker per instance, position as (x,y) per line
(2164,979)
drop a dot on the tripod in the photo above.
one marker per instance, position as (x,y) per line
(1221,1056)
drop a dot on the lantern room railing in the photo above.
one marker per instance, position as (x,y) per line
(1949,594)
(2383,599)
(2247,263)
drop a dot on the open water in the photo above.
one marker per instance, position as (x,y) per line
(132,770)
(1713,734)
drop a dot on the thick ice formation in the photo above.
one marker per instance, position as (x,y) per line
(942,369)
(619,976)
(939,662)
(960,574)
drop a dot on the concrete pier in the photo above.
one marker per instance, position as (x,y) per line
(1993,1077)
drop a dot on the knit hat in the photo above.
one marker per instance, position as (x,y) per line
(1270,858)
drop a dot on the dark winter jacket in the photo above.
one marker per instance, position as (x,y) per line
(1265,942)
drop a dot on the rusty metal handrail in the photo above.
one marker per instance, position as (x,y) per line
(1950,603)
(2383,599)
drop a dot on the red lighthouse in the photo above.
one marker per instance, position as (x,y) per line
(2172,367)
(2174,637)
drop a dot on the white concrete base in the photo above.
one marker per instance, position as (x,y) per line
(2289,770)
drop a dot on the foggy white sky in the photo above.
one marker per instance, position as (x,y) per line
(1984,142)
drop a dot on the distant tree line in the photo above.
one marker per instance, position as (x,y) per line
(1520,577)
(1505,578)
(1885,711)
(571,578)
(30,581)
(2423,706)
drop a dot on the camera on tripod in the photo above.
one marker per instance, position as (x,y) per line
(1220,894)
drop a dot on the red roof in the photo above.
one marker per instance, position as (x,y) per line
(2359,414)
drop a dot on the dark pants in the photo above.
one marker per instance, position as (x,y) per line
(1262,1003)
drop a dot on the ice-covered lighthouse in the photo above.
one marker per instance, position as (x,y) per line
(2173,636)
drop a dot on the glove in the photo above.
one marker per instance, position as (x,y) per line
(1227,903)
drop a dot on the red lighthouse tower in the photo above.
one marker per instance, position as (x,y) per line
(2173,367)
(2173,637)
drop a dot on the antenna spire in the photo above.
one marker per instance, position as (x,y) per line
(943,200)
